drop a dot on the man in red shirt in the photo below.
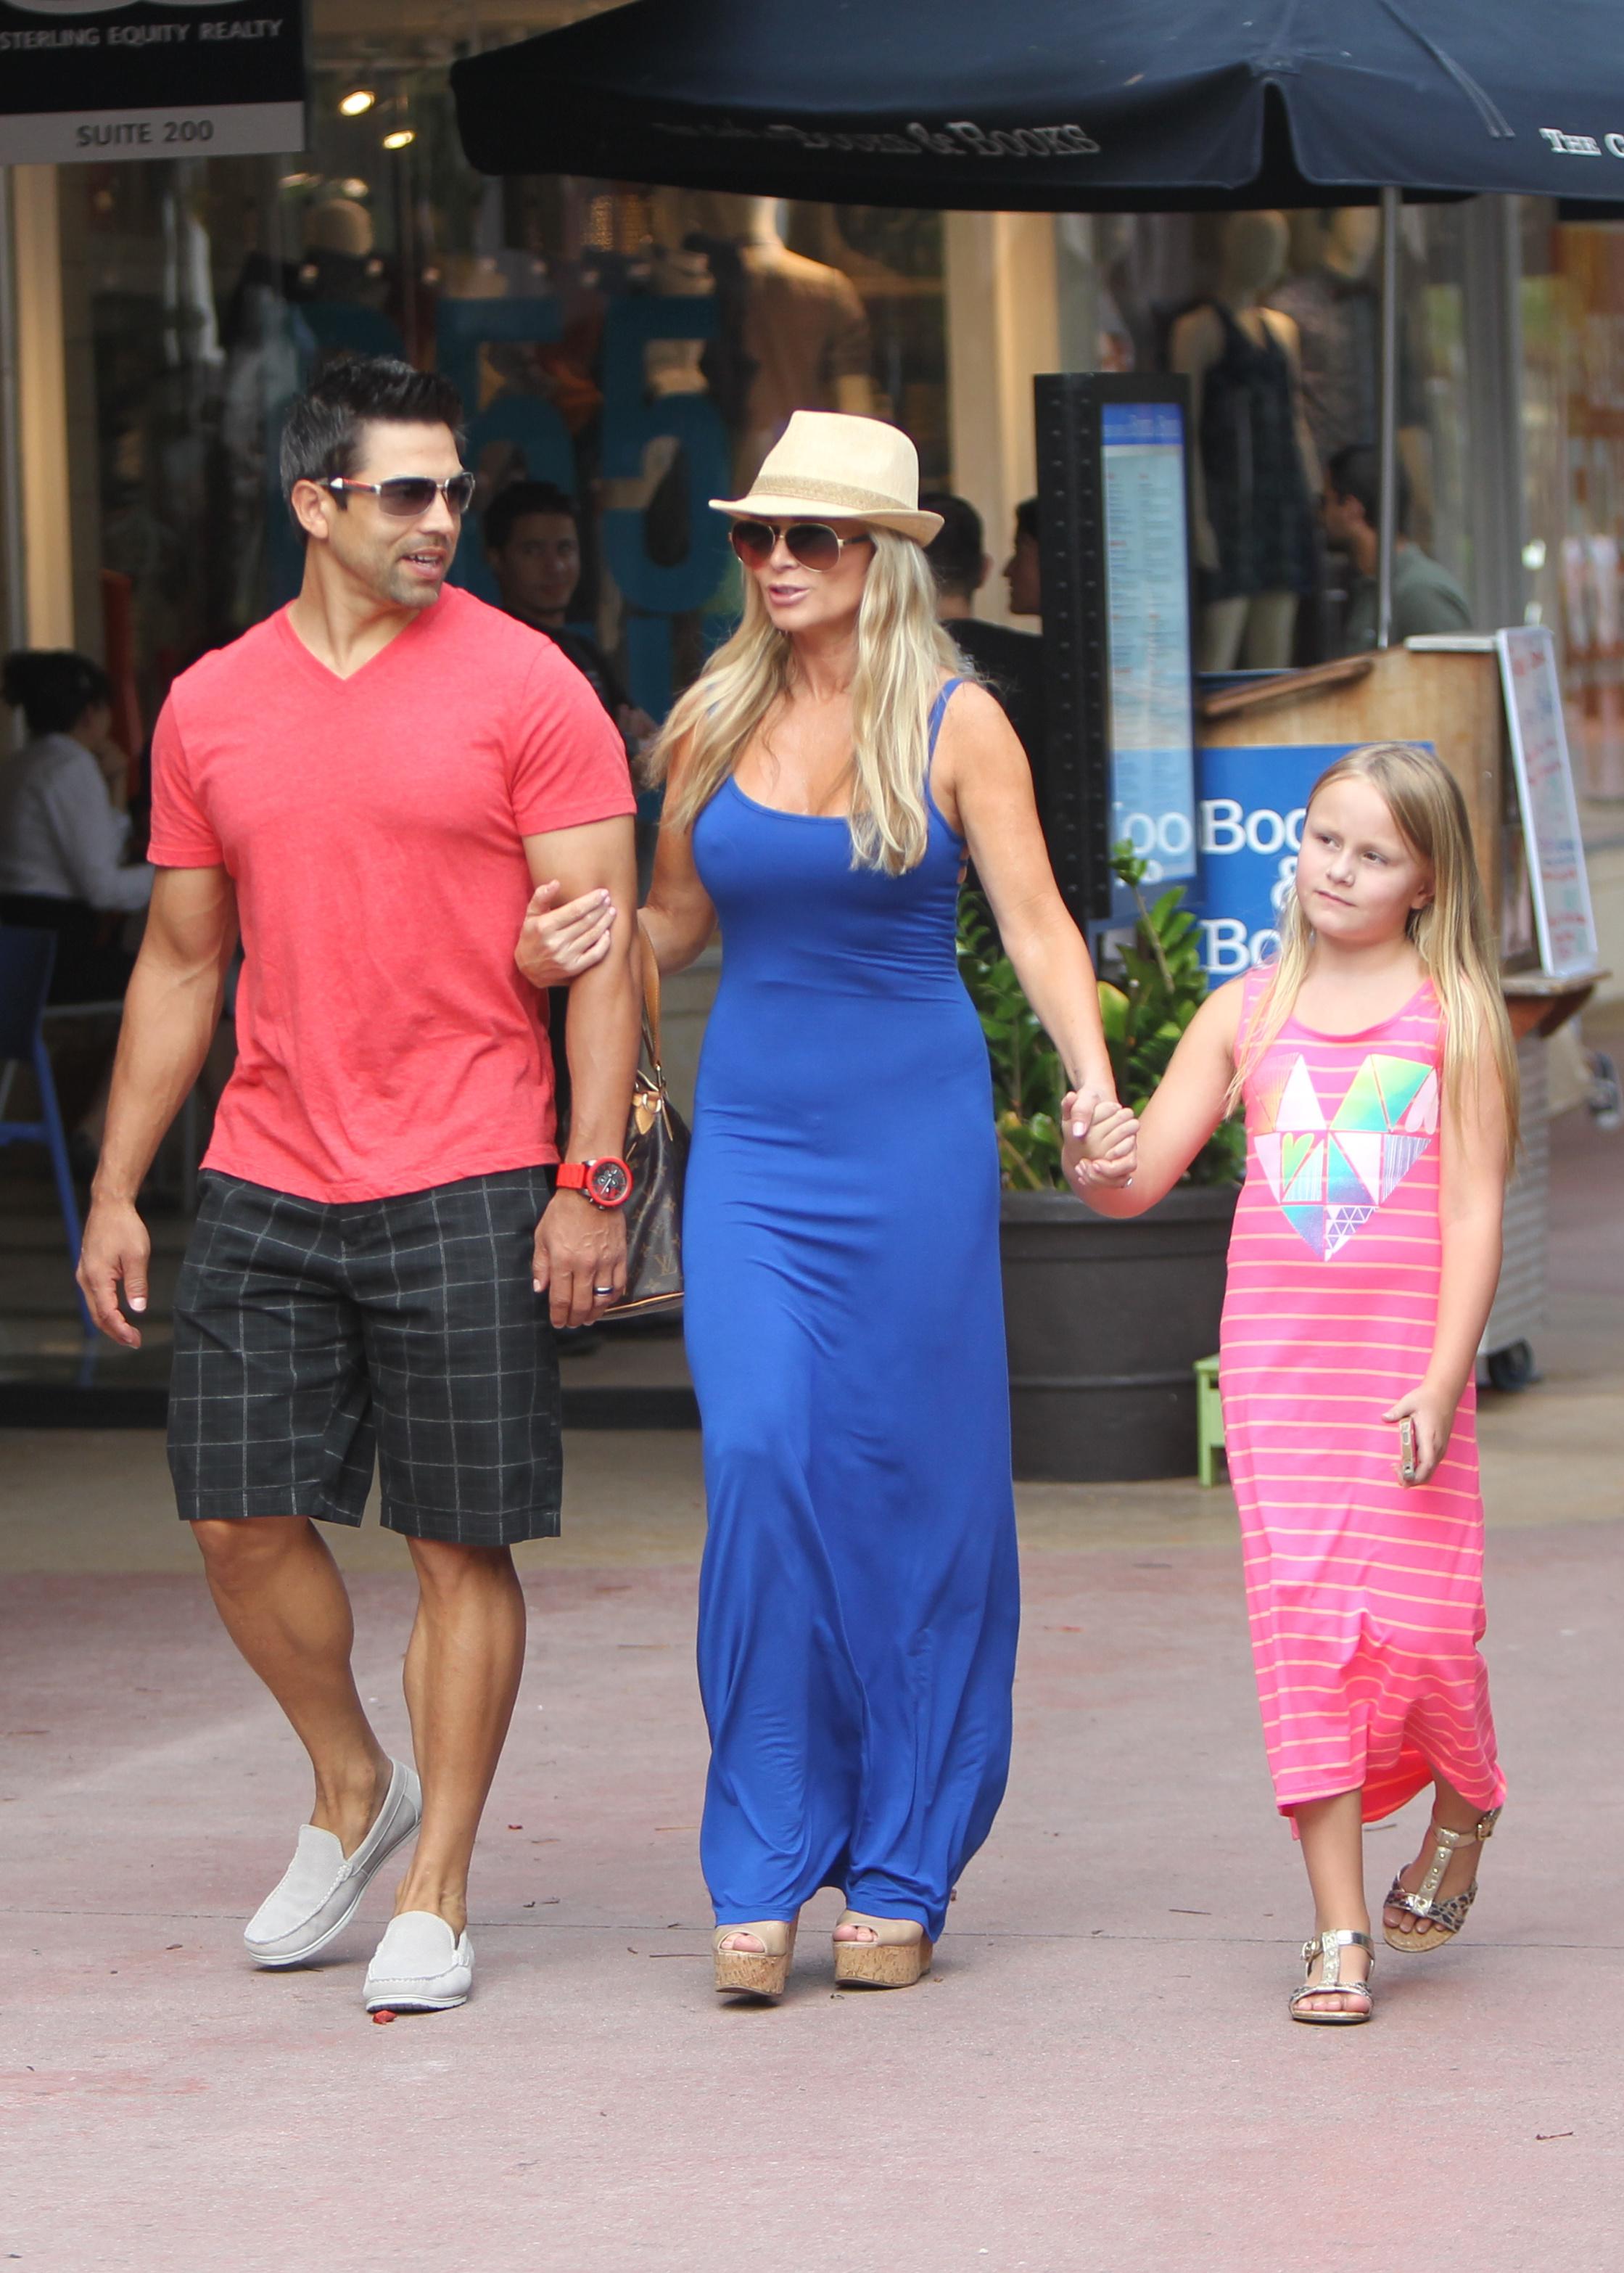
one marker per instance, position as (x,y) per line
(367,786)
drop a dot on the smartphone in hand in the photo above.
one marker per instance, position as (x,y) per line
(1406,1451)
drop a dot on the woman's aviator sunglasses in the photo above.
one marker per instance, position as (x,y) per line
(404,496)
(809,543)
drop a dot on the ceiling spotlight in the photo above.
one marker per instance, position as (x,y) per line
(399,140)
(358,101)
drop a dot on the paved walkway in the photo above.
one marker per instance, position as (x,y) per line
(1100,2076)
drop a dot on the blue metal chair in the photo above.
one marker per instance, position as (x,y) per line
(26,959)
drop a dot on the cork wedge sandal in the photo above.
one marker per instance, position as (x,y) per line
(897,1953)
(763,1972)
(1329,1946)
(1440,1921)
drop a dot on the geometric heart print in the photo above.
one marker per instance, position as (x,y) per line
(1330,1176)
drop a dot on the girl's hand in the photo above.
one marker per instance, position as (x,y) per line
(1079,1107)
(1106,1151)
(1433,1412)
(556,944)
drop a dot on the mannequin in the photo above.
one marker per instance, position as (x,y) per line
(1336,308)
(804,328)
(1255,466)
(680,272)
(340,262)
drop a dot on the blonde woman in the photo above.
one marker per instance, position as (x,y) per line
(857,1613)
(1375,1063)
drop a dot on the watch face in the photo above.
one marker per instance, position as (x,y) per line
(609,1183)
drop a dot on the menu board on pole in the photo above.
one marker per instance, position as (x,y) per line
(1148,612)
(1563,919)
(149,78)
(1113,494)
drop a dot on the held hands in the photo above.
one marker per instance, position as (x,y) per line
(579,1249)
(556,944)
(1102,1141)
(115,1253)
(1432,1410)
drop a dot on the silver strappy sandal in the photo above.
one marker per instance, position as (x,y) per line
(1329,1946)
(1443,1920)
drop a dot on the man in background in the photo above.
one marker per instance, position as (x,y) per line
(532,532)
(1426,596)
(1022,571)
(1010,662)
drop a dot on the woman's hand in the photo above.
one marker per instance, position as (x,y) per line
(113,765)
(556,944)
(1433,1411)
(1102,1142)
(637,728)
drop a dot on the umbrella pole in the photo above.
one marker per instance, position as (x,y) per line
(12,569)
(1388,534)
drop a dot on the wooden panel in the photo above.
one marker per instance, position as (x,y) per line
(1003,328)
(41,406)
(1452,701)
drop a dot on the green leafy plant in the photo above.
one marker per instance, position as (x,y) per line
(1028,1080)
(1145,1006)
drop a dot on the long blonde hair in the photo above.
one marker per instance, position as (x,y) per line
(901,654)
(1452,934)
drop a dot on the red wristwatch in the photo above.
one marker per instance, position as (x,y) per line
(607,1182)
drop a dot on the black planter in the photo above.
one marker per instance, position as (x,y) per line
(1104,1323)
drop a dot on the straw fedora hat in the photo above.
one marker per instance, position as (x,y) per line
(829,464)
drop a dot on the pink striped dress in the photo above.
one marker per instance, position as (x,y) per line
(1365,1596)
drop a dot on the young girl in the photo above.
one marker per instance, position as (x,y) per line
(1376,1066)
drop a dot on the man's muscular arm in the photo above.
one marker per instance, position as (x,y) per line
(577,1246)
(171,1009)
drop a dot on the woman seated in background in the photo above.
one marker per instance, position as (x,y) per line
(64,831)
(63,828)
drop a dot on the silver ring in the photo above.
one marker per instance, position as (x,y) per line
(602,1290)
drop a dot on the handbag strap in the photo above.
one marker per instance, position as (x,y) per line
(651,1000)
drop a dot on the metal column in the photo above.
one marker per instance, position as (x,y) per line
(12,557)
(1388,506)
(1492,308)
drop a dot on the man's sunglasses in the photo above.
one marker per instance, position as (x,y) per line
(404,496)
(809,543)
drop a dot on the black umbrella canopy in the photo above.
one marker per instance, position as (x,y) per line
(1068,105)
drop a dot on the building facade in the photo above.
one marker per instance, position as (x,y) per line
(640,347)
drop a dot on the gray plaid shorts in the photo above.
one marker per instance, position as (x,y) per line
(312,1337)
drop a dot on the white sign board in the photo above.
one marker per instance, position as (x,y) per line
(1563,919)
(93,79)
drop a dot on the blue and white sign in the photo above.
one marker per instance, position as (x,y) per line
(1147,583)
(1251,807)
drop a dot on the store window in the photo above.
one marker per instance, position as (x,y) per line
(1573,338)
(1274,320)
(636,349)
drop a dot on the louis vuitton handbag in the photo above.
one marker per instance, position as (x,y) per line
(656,1152)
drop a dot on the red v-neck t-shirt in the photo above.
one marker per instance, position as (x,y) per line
(372,827)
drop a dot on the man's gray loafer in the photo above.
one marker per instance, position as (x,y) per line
(420,1966)
(322,1888)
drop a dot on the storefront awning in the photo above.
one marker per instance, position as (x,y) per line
(1070,105)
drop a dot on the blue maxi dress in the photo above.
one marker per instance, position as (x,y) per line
(859,1601)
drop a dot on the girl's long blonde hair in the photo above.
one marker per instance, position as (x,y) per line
(1452,934)
(901,654)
